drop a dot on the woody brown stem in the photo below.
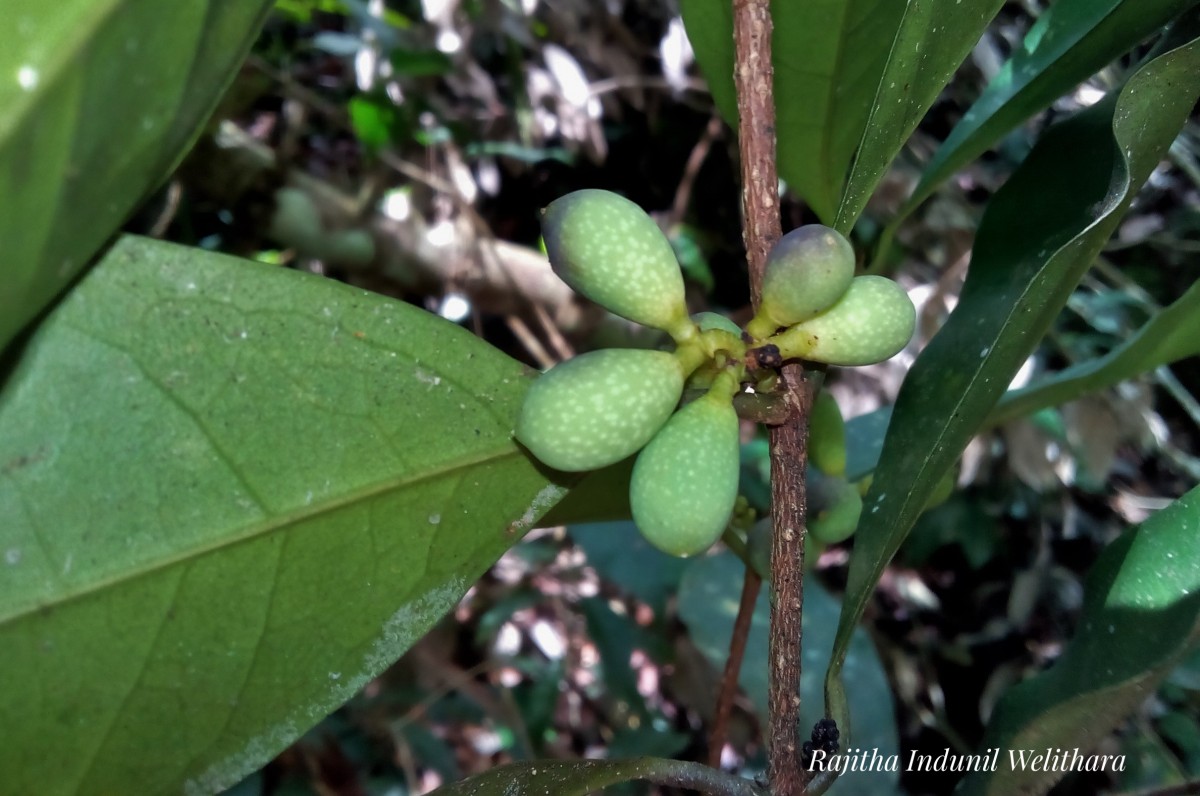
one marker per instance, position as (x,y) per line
(753,77)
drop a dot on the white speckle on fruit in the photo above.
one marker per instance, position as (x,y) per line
(434,519)
(12,556)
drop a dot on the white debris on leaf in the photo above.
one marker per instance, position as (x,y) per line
(425,377)
(544,499)
(397,634)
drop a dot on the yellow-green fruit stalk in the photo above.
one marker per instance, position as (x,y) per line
(807,271)
(685,482)
(836,506)
(871,323)
(827,435)
(599,408)
(716,333)
(607,248)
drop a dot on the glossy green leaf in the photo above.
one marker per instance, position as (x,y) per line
(1172,334)
(1070,41)
(1141,616)
(584,777)
(233,494)
(99,99)
(933,38)
(708,604)
(1037,238)
(828,55)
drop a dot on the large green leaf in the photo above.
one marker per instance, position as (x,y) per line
(98,101)
(1141,616)
(828,55)
(1070,41)
(1172,334)
(708,605)
(232,495)
(1039,235)
(934,37)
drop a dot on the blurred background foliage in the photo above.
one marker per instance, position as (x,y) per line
(407,147)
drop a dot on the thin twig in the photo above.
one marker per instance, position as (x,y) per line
(733,666)
(610,84)
(561,347)
(529,340)
(753,76)
(683,194)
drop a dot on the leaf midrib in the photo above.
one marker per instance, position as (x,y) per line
(258,530)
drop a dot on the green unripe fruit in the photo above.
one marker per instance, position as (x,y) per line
(827,435)
(685,482)
(598,408)
(807,271)
(871,323)
(607,248)
(835,510)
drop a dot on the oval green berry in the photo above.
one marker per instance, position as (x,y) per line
(827,435)
(871,323)
(685,482)
(607,248)
(836,507)
(807,271)
(598,408)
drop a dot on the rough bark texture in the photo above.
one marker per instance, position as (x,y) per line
(753,76)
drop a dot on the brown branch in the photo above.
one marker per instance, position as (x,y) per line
(789,454)
(753,77)
(733,666)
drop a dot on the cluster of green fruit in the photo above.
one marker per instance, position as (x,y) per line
(599,408)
